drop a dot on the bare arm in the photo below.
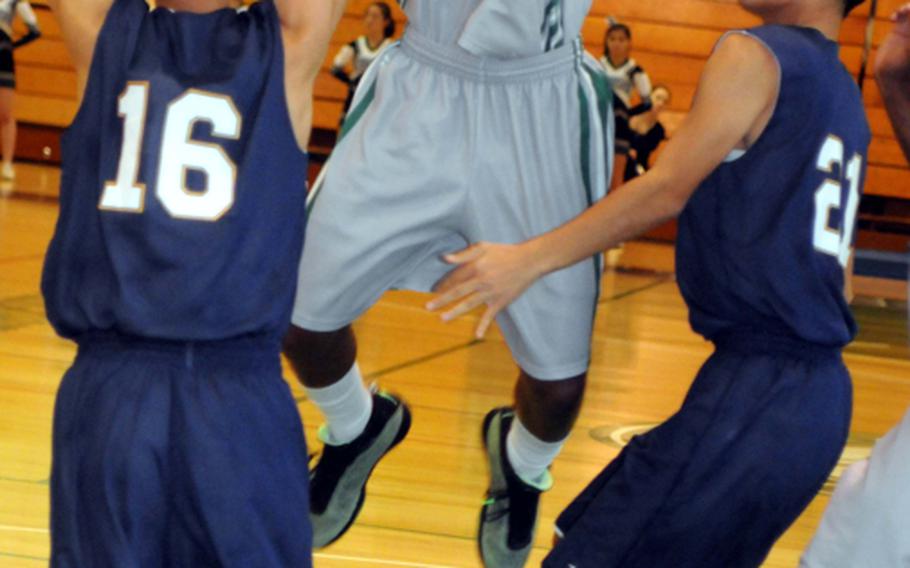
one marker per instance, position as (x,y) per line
(735,99)
(892,72)
(307,27)
(80,22)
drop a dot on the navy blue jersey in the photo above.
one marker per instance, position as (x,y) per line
(183,192)
(764,241)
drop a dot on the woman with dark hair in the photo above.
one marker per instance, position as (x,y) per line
(8,10)
(380,27)
(625,74)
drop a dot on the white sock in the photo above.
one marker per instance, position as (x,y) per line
(530,456)
(346,405)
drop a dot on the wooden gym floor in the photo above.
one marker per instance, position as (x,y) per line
(424,498)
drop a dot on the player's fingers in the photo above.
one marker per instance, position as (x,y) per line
(485,321)
(453,279)
(463,308)
(451,292)
(473,252)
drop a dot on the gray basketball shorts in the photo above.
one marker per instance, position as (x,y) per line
(442,149)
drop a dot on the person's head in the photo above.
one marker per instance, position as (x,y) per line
(617,41)
(660,97)
(764,8)
(378,20)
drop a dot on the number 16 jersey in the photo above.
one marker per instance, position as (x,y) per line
(764,242)
(183,191)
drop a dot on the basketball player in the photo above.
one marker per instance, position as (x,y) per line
(485,122)
(765,173)
(176,441)
(866,521)
(8,11)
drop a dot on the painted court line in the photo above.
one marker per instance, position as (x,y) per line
(23,529)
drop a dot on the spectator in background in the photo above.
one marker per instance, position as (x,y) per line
(647,131)
(357,55)
(8,10)
(626,77)
(625,74)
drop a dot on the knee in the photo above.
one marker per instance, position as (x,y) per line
(320,354)
(6,116)
(563,397)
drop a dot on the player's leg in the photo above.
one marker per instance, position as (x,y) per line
(361,426)
(239,462)
(721,480)
(381,217)
(521,444)
(109,497)
(548,175)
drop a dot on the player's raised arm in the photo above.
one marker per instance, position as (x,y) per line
(307,26)
(80,21)
(892,71)
(735,99)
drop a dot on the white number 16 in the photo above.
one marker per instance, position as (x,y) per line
(178,154)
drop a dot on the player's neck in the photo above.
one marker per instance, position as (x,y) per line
(197,6)
(827,22)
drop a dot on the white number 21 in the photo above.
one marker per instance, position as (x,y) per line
(833,241)
(178,155)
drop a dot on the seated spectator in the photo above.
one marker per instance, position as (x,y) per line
(647,132)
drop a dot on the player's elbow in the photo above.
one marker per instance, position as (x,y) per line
(671,193)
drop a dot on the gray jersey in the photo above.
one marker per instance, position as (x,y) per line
(501,29)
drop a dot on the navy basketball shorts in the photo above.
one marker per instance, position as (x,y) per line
(717,484)
(178,455)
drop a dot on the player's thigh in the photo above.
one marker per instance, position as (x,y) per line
(240,472)
(548,329)
(773,439)
(391,199)
(108,481)
(533,175)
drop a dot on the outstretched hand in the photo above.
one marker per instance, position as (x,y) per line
(487,274)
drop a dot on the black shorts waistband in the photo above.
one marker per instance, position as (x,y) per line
(751,342)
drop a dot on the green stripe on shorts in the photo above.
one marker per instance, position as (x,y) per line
(350,121)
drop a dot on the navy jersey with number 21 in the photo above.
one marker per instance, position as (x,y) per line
(765,240)
(183,190)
